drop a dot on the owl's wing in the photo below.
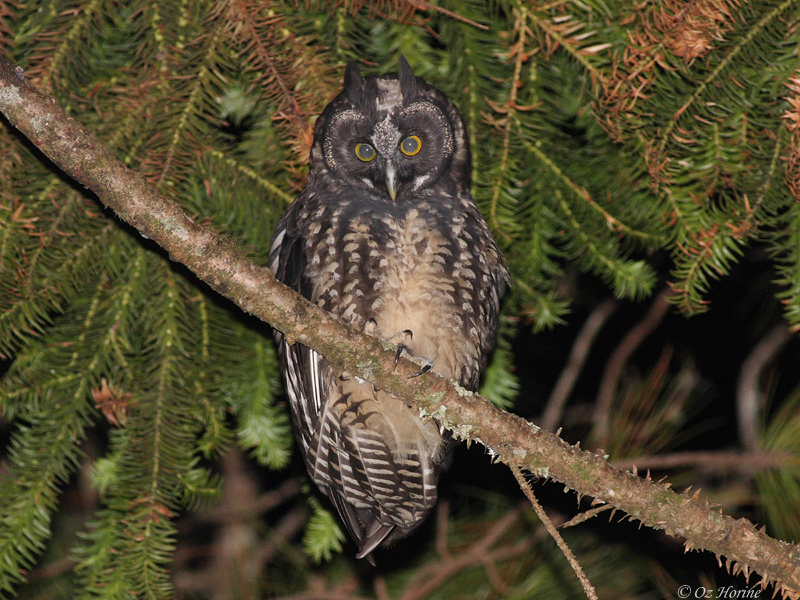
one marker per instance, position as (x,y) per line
(491,278)
(318,428)
(305,370)
(372,460)
(340,469)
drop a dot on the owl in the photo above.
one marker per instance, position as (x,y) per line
(387,238)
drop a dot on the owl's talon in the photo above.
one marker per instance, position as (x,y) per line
(400,338)
(425,368)
(427,363)
(371,326)
(400,349)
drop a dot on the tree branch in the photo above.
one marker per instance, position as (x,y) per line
(577,358)
(711,462)
(616,365)
(221,264)
(482,552)
(749,397)
(588,588)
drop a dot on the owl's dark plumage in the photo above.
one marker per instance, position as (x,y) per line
(387,237)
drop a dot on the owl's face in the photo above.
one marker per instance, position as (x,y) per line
(395,135)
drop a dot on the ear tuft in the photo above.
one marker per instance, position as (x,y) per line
(408,82)
(353,83)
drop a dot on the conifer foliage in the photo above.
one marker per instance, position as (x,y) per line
(603,134)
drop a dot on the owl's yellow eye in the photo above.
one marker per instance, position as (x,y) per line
(365,152)
(411,145)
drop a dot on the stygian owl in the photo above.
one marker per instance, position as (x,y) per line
(387,237)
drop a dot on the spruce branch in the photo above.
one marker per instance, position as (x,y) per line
(512,440)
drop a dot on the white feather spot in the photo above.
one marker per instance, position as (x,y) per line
(389,94)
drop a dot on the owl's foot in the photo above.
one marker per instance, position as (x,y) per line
(400,341)
(426,364)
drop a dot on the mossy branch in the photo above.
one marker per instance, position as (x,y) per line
(221,264)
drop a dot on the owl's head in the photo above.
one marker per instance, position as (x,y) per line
(396,135)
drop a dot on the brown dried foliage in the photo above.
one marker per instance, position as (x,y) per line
(7,12)
(672,29)
(690,29)
(113,403)
(792,117)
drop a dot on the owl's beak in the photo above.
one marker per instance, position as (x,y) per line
(391,180)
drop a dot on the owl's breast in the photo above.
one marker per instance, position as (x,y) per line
(408,269)
(427,286)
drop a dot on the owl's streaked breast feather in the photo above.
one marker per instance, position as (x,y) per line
(424,262)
